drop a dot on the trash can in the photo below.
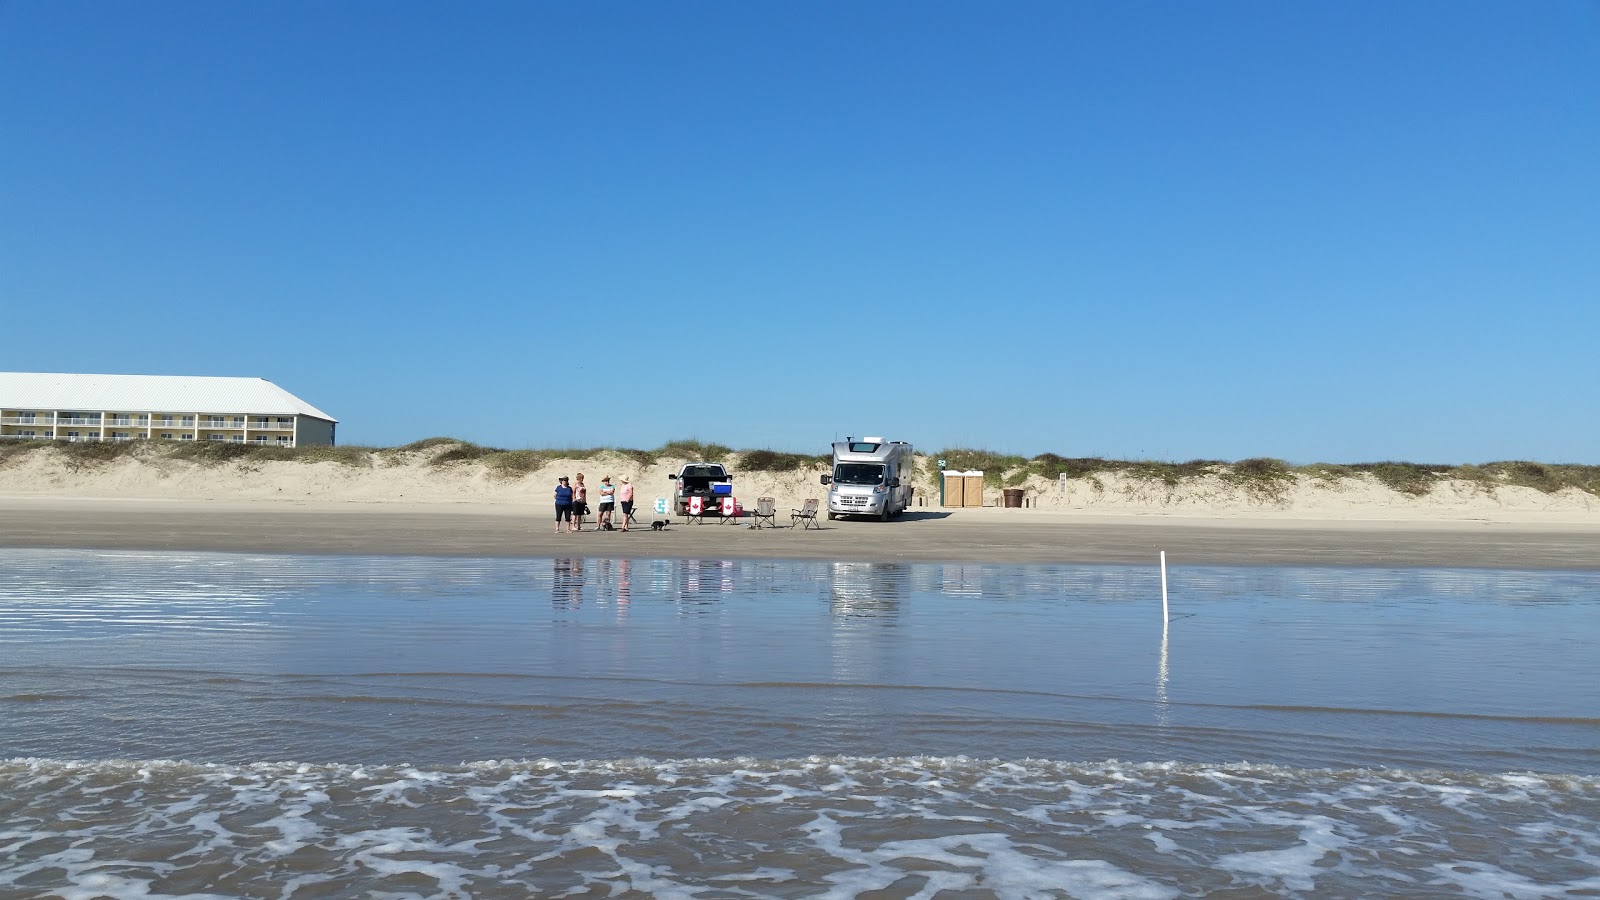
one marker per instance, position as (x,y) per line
(1013,498)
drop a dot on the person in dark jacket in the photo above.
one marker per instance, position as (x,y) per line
(563,504)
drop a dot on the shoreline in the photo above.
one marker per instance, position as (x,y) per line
(922,536)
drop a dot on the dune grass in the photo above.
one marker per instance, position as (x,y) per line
(1263,478)
(1270,479)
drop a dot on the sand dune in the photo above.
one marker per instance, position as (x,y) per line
(409,478)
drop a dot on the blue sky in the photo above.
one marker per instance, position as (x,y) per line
(1340,231)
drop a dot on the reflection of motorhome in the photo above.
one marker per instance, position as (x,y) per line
(871,477)
(868,590)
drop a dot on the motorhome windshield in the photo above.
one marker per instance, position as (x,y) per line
(858,473)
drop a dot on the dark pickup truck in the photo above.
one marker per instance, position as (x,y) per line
(698,480)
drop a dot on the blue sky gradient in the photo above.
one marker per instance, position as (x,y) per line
(1341,232)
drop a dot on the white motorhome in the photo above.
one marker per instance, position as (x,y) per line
(871,477)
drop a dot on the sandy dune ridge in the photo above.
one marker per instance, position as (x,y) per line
(409,478)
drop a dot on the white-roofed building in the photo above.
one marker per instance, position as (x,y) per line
(67,407)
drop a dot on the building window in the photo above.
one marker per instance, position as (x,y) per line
(121,420)
(166,435)
(186,437)
(284,439)
(119,435)
(215,437)
(25,418)
(237,438)
(285,422)
(166,420)
(187,421)
(74,435)
(27,434)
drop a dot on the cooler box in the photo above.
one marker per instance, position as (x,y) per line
(722,490)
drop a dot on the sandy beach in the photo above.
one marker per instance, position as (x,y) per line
(976,535)
(402,503)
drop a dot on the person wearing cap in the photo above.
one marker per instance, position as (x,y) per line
(608,497)
(563,504)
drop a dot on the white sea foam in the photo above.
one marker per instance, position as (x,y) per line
(821,826)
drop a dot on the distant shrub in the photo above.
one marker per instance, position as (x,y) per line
(1412,479)
(994,466)
(513,463)
(461,453)
(349,455)
(429,443)
(1052,467)
(207,452)
(80,455)
(15,450)
(693,449)
(773,461)
(1171,473)
(1328,473)
(1263,478)
(641,457)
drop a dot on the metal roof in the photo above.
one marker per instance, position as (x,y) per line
(150,393)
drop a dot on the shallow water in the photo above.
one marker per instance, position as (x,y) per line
(716,729)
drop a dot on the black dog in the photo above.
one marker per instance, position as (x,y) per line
(660,524)
(607,527)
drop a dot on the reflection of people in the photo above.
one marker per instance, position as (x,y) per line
(566,585)
(625,497)
(580,500)
(563,504)
(608,497)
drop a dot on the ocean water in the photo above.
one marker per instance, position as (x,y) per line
(191,725)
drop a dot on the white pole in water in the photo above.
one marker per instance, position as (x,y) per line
(1164,614)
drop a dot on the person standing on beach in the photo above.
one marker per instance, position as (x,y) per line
(608,498)
(580,500)
(563,504)
(625,497)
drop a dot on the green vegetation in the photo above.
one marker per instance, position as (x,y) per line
(773,461)
(1405,478)
(429,444)
(994,466)
(1264,479)
(693,449)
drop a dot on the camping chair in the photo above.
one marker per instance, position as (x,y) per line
(689,514)
(806,515)
(766,509)
(731,515)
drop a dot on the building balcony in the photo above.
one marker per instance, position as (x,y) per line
(46,421)
(271,426)
(78,420)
